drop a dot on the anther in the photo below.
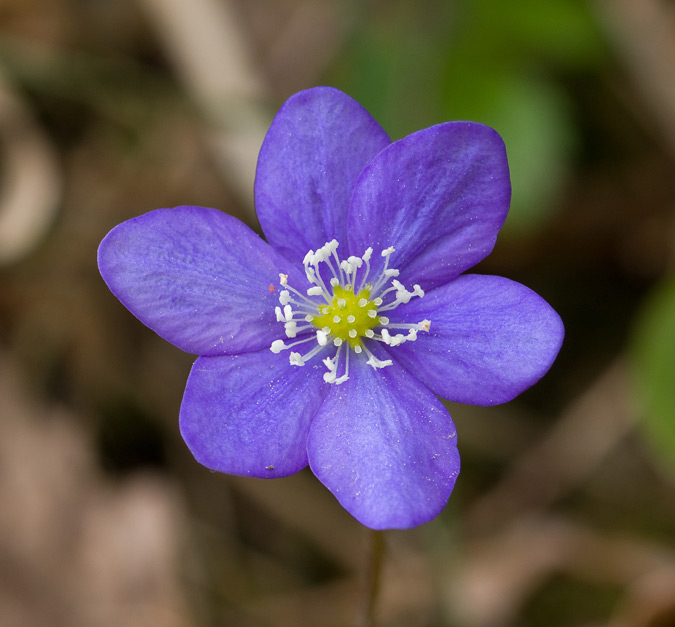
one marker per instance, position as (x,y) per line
(277,346)
(296,359)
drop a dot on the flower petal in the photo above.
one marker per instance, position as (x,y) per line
(438,196)
(385,447)
(490,339)
(199,278)
(313,153)
(249,414)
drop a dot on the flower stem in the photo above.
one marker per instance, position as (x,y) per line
(372,578)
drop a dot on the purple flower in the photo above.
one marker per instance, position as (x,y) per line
(328,344)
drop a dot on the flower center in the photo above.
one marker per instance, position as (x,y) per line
(348,314)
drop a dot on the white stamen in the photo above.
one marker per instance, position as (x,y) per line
(345,376)
(378,363)
(298,311)
(366,259)
(374,361)
(278,346)
(403,296)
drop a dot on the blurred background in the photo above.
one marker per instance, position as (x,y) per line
(564,514)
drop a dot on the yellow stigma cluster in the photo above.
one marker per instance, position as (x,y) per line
(349,316)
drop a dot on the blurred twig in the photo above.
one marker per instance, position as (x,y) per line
(583,436)
(498,574)
(76,549)
(644,35)
(210,54)
(305,46)
(304,504)
(30,188)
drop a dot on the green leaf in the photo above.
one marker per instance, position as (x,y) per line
(654,370)
(531,115)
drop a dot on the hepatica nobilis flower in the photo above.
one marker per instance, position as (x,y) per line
(329,343)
